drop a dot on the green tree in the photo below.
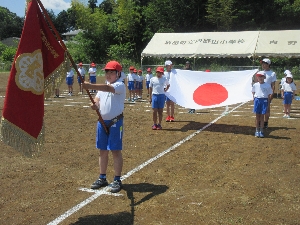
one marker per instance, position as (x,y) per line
(96,32)
(92,5)
(8,54)
(221,13)
(10,24)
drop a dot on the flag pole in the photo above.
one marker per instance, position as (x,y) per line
(100,119)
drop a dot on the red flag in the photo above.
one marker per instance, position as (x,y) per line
(38,64)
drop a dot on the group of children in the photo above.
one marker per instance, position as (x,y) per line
(156,88)
(135,81)
(80,79)
(263,90)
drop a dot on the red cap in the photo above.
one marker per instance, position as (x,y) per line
(149,70)
(260,74)
(80,64)
(207,70)
(160,69)
(139,70)
(131,68)
(134,70)
(113,65)
(93,64)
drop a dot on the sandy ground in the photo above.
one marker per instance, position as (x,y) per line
(205,168)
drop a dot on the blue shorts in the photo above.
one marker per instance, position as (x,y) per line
(158,101)
(140,85)
(79,80)
(130,85)
(111,141)
(260,105)
(288,98)
(168,100)
(147,84)
(69,80)
(93,79)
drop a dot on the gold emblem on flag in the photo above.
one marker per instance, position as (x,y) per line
(30,75)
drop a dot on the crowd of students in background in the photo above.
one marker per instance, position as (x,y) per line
(263,89)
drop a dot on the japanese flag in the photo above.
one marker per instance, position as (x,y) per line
(200,90)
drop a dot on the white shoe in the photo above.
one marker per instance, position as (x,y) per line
(288,116)
(284,116)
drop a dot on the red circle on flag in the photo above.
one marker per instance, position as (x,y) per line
(210,94)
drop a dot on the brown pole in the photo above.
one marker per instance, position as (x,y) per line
(100,119)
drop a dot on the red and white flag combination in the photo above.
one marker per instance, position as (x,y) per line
(38,64)
(201,90)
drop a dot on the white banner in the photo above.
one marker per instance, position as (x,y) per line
(201,90)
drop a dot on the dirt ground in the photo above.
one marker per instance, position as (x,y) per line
(205,168)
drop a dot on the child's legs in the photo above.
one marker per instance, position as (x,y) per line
(103,161)
(154,115)
(259,122)
(160,114)
(285,109)
(288,109)
(118,161)
(171,108)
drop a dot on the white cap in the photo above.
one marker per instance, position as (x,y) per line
(268,61)
(287,72)
(168,62)
(289,75)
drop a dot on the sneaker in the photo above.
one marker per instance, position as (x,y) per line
(115,186)
(99,183)
(158,127)
(284,116)
(265,125)
(256,134)
(129,99)
(168,119)
(171,118)
(288,116)
(154,127)
(261,134)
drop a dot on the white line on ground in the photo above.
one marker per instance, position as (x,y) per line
(138,168)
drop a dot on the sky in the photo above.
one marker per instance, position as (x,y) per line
(18,6)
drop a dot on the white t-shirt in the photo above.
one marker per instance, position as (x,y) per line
(262,90)
(286,87)
(270,76)
(112,104)
(70,73)
(92,71)
(131,77)
(149,76)
(140,78)
(169,75)
(81,71)
(158,84)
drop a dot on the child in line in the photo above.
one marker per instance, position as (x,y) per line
(92,75)
(262,93)
(131,79)
(288,92)
(70,80)
(81,70)
(149,75)
(136,85)
(157,96)
(140,84)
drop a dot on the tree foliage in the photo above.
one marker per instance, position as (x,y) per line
(10,24)
(121,29)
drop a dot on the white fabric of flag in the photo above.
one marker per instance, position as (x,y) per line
(201,90)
